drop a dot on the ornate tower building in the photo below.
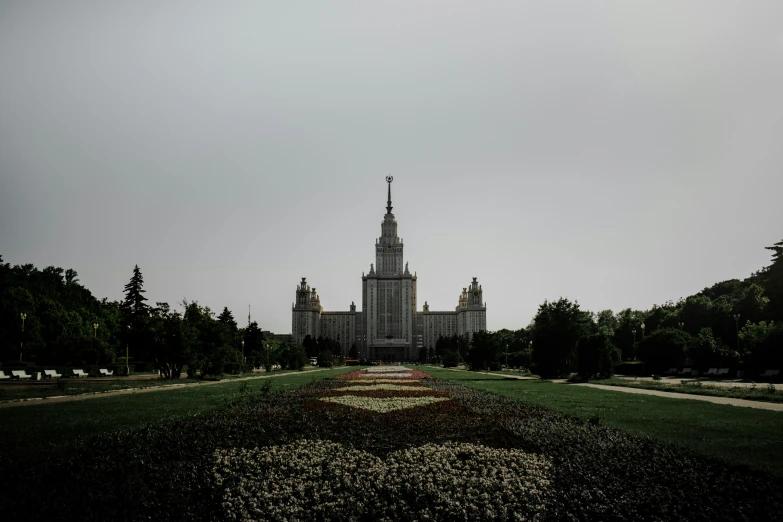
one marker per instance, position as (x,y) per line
(389,327)
(389,296)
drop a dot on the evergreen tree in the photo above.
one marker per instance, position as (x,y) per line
(227,318)
(773,281)
(134,304)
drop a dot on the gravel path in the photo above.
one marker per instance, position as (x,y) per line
(165,387)
(705,381)
(495,374)
(773,406)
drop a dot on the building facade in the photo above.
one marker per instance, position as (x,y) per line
(389,327)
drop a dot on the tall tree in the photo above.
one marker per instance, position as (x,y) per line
(134,304)
(664,348)
(557,327)
(227,318)
(71,277)
(772,277)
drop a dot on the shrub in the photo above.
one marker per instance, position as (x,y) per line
(495,366)
(325,359)
(634,368)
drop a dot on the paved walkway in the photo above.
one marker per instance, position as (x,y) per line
(706,382)
(494,374)
(772,406)
(164,387)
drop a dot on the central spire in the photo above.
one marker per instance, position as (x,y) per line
(389,180)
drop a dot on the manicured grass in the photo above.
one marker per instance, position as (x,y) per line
(762,392)
(743,436)
(31,428)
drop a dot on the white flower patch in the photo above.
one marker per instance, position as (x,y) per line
(383,404)
(389,374)
(371,387)
(385,381)
(386,369)
(318,480)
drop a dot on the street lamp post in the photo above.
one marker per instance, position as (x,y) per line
(94,330)
(642,325)
(127,362)
(736,323)
(243,356)
(506,356)
(266,345)
(21,342)
(682,325)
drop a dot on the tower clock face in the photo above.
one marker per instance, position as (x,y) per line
(475,293)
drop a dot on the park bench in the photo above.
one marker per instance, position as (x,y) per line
(20,374)
(685,371)
(711,372)
(80,373)
(52,374)
(106,373)
(770,373)
(722,372)
(3,376)
(670,371)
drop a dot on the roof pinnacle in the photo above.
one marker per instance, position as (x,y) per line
(389,180)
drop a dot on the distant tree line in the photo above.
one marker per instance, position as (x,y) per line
(326,350)
(736,324)
(48,318)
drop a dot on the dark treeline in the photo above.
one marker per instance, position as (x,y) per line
(736,324)
(48,318)
(326,349)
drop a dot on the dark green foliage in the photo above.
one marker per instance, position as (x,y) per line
(558,327)
(772,279)
(134,304)
(353,353)
(637,369)
(664,349)
(311,346)
(325,359)
(293,357)
(762,346)
(597,356)
(484,350)
(453,347)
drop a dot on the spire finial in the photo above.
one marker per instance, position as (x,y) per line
(389,180)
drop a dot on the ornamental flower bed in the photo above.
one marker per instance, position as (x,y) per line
(384,372)
(338,450)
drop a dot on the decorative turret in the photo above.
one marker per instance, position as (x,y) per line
(302,295)
(475,294)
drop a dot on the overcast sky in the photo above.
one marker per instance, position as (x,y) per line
(618,153)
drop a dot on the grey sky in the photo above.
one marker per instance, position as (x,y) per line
(618,153)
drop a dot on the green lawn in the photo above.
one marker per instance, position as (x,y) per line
(49,426)
(738,435)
